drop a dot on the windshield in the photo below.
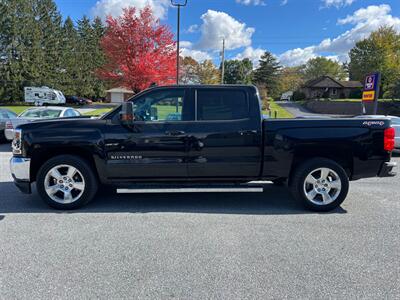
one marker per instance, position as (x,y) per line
(41,113)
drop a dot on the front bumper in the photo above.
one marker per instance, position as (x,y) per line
(20,170)
(387,169)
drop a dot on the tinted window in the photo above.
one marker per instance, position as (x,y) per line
(222,105)
(162,105)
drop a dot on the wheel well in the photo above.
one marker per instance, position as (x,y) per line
(344,160)
(41,157)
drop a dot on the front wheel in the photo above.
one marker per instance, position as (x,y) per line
(320,184)
(66,182)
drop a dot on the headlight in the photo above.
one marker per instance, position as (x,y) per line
(17,142)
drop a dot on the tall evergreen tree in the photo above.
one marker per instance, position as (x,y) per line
(238,71)
(70,45)
(267,74)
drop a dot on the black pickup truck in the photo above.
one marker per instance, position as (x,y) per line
(198,139)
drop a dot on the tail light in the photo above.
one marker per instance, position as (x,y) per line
(388,139)
(9,125)
(17,142)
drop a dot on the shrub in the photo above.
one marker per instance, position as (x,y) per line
(298,96)
(357,94)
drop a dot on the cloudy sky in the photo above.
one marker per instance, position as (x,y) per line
(293,30)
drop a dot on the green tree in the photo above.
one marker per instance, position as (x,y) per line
(15,25)
(322,66)
(208,73)
(189,68)
(69,54)
(379,52)
(238,71)
(267,74)
(290,79)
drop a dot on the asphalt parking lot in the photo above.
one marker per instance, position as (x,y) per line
(197,246)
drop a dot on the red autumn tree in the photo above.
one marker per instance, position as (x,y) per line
(139,51)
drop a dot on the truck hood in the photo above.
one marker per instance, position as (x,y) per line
(60,123)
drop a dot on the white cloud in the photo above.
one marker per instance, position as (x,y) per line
(368,14)
(297,56)
(218,25)
(251,2)
(365,21)
(337,3)
(187,50)
(193,28)
(185,44)
(284,2)
(253,54)
(198,55)
(103,8)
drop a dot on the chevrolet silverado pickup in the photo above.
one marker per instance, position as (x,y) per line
(198,139)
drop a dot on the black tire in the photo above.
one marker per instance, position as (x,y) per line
(297,184)
(91,183)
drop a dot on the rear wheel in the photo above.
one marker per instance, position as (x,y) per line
(66,182)
(320,184)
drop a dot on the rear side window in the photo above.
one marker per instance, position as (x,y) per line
(222,105)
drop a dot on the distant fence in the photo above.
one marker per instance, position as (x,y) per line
(351,108)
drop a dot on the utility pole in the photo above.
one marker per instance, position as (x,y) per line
(223,61)
(178,4)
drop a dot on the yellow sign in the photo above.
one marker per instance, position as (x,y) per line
(368,96)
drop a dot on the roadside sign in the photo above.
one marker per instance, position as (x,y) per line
(368,96)
(371,86)
(371,90)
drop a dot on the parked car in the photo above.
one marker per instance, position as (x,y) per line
(5,115)
(38,113)
(219,143)
(78,100)
(395,124)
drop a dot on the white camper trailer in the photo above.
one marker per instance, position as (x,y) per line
(43,96)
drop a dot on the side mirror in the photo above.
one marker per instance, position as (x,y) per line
(127,116)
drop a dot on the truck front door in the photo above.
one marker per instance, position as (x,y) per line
(155,146)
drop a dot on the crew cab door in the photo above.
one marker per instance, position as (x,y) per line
(155,145)
(226,136)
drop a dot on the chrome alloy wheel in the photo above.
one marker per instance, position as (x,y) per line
(322,186)
(64,184)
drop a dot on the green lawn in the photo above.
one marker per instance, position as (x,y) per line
(282,113)
(98,112)
(17,109)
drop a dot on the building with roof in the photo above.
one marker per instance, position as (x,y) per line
(118,95)
(328,87)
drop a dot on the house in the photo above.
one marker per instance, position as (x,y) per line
(328,87)
(118,95)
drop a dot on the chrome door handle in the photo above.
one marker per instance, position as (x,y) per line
(247,132)
(175,133)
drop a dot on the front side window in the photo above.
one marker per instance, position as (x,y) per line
(222,105)
(162,105)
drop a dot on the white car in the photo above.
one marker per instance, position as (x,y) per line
(38,113)
(395,124)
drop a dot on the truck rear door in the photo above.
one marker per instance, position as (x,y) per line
(226,135)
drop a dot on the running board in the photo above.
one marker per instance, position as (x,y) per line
(250,189)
